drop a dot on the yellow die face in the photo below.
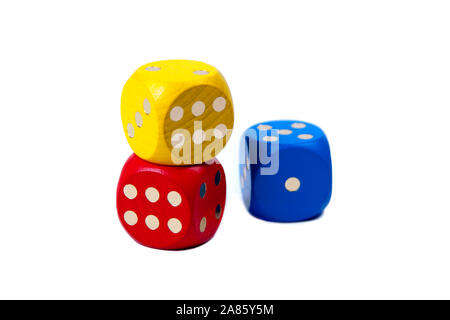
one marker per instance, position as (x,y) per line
(177,112)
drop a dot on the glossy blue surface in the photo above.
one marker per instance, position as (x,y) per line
(285,170)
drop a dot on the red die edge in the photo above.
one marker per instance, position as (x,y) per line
(171,207)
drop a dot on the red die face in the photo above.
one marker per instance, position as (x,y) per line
(170,207)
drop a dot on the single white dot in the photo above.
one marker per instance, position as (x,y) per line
(198,108)
(292,184)
(220,131)
(199,136)
(130,217)
(130,191)
(203,225)
(284,131)
(130,130)
(270,138)
(138,118)
(146,106)
(264,127)
(177,140)
(219,104)
(153,68)
(212,161)
(152,222)
(298,125)
(305,136)
(201,72)
(152,194)
(174,198)
(176,113)
(174,225)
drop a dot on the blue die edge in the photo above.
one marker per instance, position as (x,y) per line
(286,206)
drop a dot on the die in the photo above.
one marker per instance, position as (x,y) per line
(171,207)
(285,170)
(177,112)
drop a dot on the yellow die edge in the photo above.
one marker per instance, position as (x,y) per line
(148,142)
(144,140)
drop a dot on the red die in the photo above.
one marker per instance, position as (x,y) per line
(170,207)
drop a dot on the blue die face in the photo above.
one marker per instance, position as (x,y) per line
(285,170)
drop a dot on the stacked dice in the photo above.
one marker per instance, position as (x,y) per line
(177,116)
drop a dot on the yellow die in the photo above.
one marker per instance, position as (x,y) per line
(177,112)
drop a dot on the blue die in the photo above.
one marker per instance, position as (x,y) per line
(285,170)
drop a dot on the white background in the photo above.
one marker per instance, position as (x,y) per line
(375,75)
